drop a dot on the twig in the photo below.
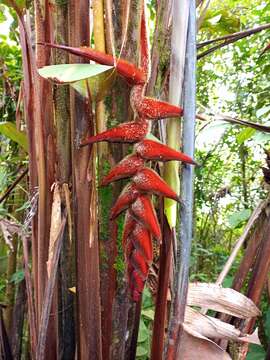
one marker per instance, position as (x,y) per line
(243,33)
(13,185)
(236,121)
(231,39)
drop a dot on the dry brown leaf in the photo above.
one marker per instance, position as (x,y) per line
(224,300)
(194,347)
(55,224)
(9,228)
(213,328)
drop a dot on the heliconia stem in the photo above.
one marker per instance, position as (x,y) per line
(152,109)
(143,211)
(128,195)
(125,169)
(129,71)
(142,241)
(126,133)
(147,180)
(152,150)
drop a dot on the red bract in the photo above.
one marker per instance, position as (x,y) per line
(147,180)
(126,133)
(152,150)
(129,71)
(138,262)
(143,211)
(145,54)
(142,241)
(125,199)
(126,168)
(152,109)
(136,284)
(129,225)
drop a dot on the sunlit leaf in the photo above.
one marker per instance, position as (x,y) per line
(85,78)
(141,351)
(9,130)
(148,313)
(262,111)
(143,332)
(238,217)
(244,135)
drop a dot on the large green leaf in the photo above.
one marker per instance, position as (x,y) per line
(84,78)
(9,130)
(256,352)
(238,217)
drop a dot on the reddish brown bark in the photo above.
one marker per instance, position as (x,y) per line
(84,202)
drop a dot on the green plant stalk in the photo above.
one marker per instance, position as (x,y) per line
(99,36)
(178,42)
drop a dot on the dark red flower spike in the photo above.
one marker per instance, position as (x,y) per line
(136,284)
(139,264)
(153,150)
(143,211)
(125,169)
(128,195)
(152,109)
(129,71)
(128,250)
(142,241)
(147,180)
(126,133)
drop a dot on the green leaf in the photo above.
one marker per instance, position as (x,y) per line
(262,111)
(238,217)
(261,138)
(244,135)
(17,277)
(84,78)
(256,352)
(214,20)
(19,3)
(148,313)
(9,130)
(142,350)
(147,298)
(143,332)
(267,323)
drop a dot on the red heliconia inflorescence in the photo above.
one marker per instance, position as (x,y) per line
(141,222)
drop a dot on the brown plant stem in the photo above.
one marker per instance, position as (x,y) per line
(88,321)
(66,279)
